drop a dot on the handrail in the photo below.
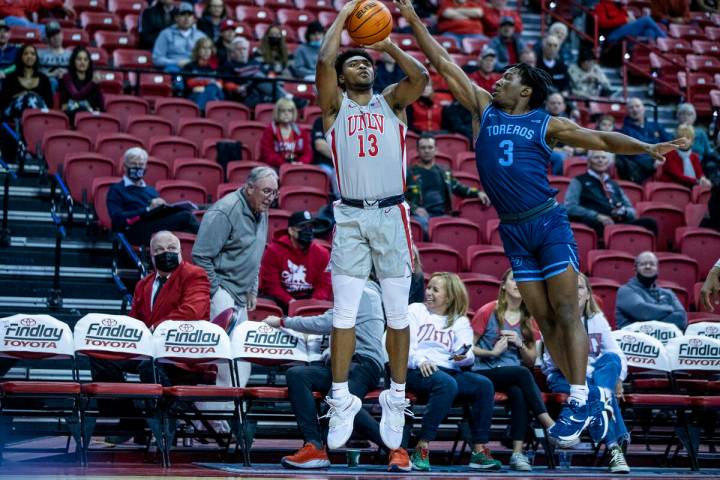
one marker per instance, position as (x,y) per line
(547,7)
(125,244)
(120,241)
(9,174)
(627,65)
(54,300)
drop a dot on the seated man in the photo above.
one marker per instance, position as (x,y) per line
(137,210)
(174,46)
(638,168)
(430,186)
(596,200)
(176,290)
(641,300)
(365,372)
(294,266)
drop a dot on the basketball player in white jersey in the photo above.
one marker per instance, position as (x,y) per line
(366,133)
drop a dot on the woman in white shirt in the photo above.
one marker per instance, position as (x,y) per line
(440,348)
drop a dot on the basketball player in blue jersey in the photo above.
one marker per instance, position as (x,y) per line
(514,139)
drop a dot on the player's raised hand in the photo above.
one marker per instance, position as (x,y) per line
(382,46)
(405,6)
(659,150)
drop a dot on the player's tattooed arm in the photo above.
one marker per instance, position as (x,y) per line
(564,130)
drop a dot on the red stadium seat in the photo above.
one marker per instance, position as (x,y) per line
(302,90)
(80,6)
(155,171)
(442,159)
(613,264)
(492,231)
(225,188)
(629,238)
(633,191)
(263,112)
(114,40)
(36,123)
(275,4)
(416,230)
(487,259)
(73,37)
(249,133)
(705,47)
(606,289)
(315,6)
(277,221)
(112,83)
(57,144)
(406,41)
(678,268)
(264,308)
(122,106)
(702,63)
(561,184)
(712,33)
(123,7)
(294,18)
(92,124)
(225,112)
(100,187)
(238,171)
(674,45)
(451,143)
(698,86)
(93,21)
(687,32)
(469,179)
(458,233)
(310,113)
(198,130)
(99,56)
(439,258)
(668,218)
(114,145)
(308,307)
(694,214)
(617,110)
(304,175)
(169,148)
(574,166)
(182,190)
(253,15)
(472,209)
(131,58)
(79,171)
(302,198)
(155,85)
(175,109)
(586,239)
(473,46)
(187,240)
(465,162)
(147,126)
(205,172)
(481,289)
(701,244)
(666,69)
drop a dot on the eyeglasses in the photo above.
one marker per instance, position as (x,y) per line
(269,192)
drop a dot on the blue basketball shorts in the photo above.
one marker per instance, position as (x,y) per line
(541,247)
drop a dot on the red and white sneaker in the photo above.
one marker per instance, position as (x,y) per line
(309,456)
(399,461)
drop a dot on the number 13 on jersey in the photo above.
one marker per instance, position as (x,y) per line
(507,159)
(367,146)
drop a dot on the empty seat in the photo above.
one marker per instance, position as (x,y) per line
(302,198)
(146,127)
(704,47)
(668,218)
(175,109)
(155,84)
(315,5)
(36,123)
(606,290)
(687,32)
(613,264)
(277,221)
(122,106)
(439,258)
(112,83)
(79,171)
(99,56)
(451,143)
(294,18)
(132,58)
(702,63)
(458,233)
(466,162)
(92,21)
(472,209)
(198,130)
(633,191)
(248,133)
(123,7)
(169,148)
(668,192)
(114,145)
(574,166)
(111,41)
(263,112)
(701,194)
(586,239)
(678,268)
(253,15)
(73,37)
(629,238)
(155,170)
(303,175)
(694,214)
(181,190)
(187,240)
(238,171)
(675,45)
(225,188)
(207,173)
(481,289)
(487,259)
(701,244)
(225,112)
(92,124)
(80,6)
(57,144)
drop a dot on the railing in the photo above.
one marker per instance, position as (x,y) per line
(120,242)
(652,76)
(547,8)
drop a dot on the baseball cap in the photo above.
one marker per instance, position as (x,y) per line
(184,7)
(507,20)
(298,218)
(52,28)
(488,51)
(227,24)
(4,25)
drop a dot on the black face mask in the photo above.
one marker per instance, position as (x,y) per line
(274,41)
(646,281)
(135,173)
(305,237)
(166,261)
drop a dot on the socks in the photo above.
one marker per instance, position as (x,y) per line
(397,391)
(579,393)
(340,390)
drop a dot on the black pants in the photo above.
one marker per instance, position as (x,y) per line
(176,221)
(303,380)
(524,396)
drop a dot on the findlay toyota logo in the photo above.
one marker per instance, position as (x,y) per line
(264,328)
(629,339)
(186,338)
(638,351)
(700,353)
(695,342)
(186,327)
(266,340)
(28,322)
(29,333)
(108,322)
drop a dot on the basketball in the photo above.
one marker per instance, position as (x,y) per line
(370,22)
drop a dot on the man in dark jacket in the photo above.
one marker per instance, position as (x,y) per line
(552,63)
(430,187)
(638,168)
(154,20)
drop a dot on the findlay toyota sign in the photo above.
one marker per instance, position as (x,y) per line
(109,333)
(270,341)
(186,338)
(28,332)
(638,351)
(696,352)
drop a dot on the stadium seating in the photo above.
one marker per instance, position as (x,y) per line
(458,233)
(169,148)
(58,143)
(248,133)
(225,188)
(146,127)
(205,172)
(302,198)
(36,123)
(123,106)
(92,124)
(225,112)
(481,289)
(678,268)
(611,264)
(176,109)
(79,171)
(174,191)
(114,145)
(633,191)
(100,187)
(667,192)
(155,85)
(561,184)
(155,170)
(304,175)
(439,258)
(487,259)
(629,238)
(606,290)
(586,240)
(472,209)
(238,171)
(694,214)
(668,218)
(701,244)
(198,130)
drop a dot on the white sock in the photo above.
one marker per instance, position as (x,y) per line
(579,393)
(340,390)
(397,391)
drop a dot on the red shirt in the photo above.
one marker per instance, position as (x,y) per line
(21,8)
(463,26)
(275,150)
(485,80)
(492,16)
(426,117)
(610,15)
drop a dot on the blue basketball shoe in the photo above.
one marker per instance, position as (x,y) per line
(600,412)
(573,420)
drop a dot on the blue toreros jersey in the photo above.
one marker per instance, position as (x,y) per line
(512,159)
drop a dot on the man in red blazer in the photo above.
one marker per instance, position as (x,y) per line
(175,291)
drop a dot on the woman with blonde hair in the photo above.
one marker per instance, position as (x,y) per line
(683,166)
(607,368)
(203,61)
(283,141)
(440,347)
(504,348)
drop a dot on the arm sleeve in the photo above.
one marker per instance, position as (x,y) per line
(214,231)
(302,66)
(195,298)
(314,325)
(270,271)
(460,189)
(633,306)
(267,149)
(572,202)
(159,53)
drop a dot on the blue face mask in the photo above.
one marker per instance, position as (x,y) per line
(135,173)
(315,43)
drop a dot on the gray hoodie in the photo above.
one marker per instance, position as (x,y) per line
(636,303)
(369,326)
(230,245)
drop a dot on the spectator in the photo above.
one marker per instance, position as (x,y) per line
(16,13)
(587,78)
(683,165)
(508,44)
(425,114)
(26,87)
(283,140)
(203,61)
(79,88)
(638,168)
(560,31)
(440,349)
(154,20)
(8,51)
(670,11)
(224,41)
(641,300)
(174,45)
(702,145)
(386,73)
(616,22)
(596,200)
(504,348)
(461,19)
(555,106)
(606,123)
(528,57)
(486,76)
(306,55)
(249,92)
(212,18)
(294,265)
(457,119)
(607,368)
(137,210)
(274,51)
(176,290)
(430,187)
(707,6)
(322,155)
(494,13)
(365,372)
(550,61)
(55,58)
(230,246)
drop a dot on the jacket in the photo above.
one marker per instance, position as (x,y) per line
(275,151)
(414,192)
(288,273)
(636,303)
(503,58)
(610,15)
(185,296)
(673,170)
(230,245)
(127,203)
(491,19)
(585,199)
(639,167)
(171,46)
(304,60)
(153,21)
(426,115)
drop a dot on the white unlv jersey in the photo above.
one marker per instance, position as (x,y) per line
(368,147)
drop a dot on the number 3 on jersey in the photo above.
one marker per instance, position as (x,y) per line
(372,150)
(507,160)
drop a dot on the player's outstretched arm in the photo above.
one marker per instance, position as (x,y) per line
(463,89)
(325,76)
(563,130)
(406,91)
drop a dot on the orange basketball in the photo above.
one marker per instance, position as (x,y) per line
(370,22)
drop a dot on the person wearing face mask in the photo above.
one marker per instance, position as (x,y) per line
(274,51)
(306,55)
(641,300)
(683,166)
(294,265)
(136,208)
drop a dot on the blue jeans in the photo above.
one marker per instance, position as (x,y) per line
(606,374)
(211,92)
(25,23)
(441,388)
(642,27)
